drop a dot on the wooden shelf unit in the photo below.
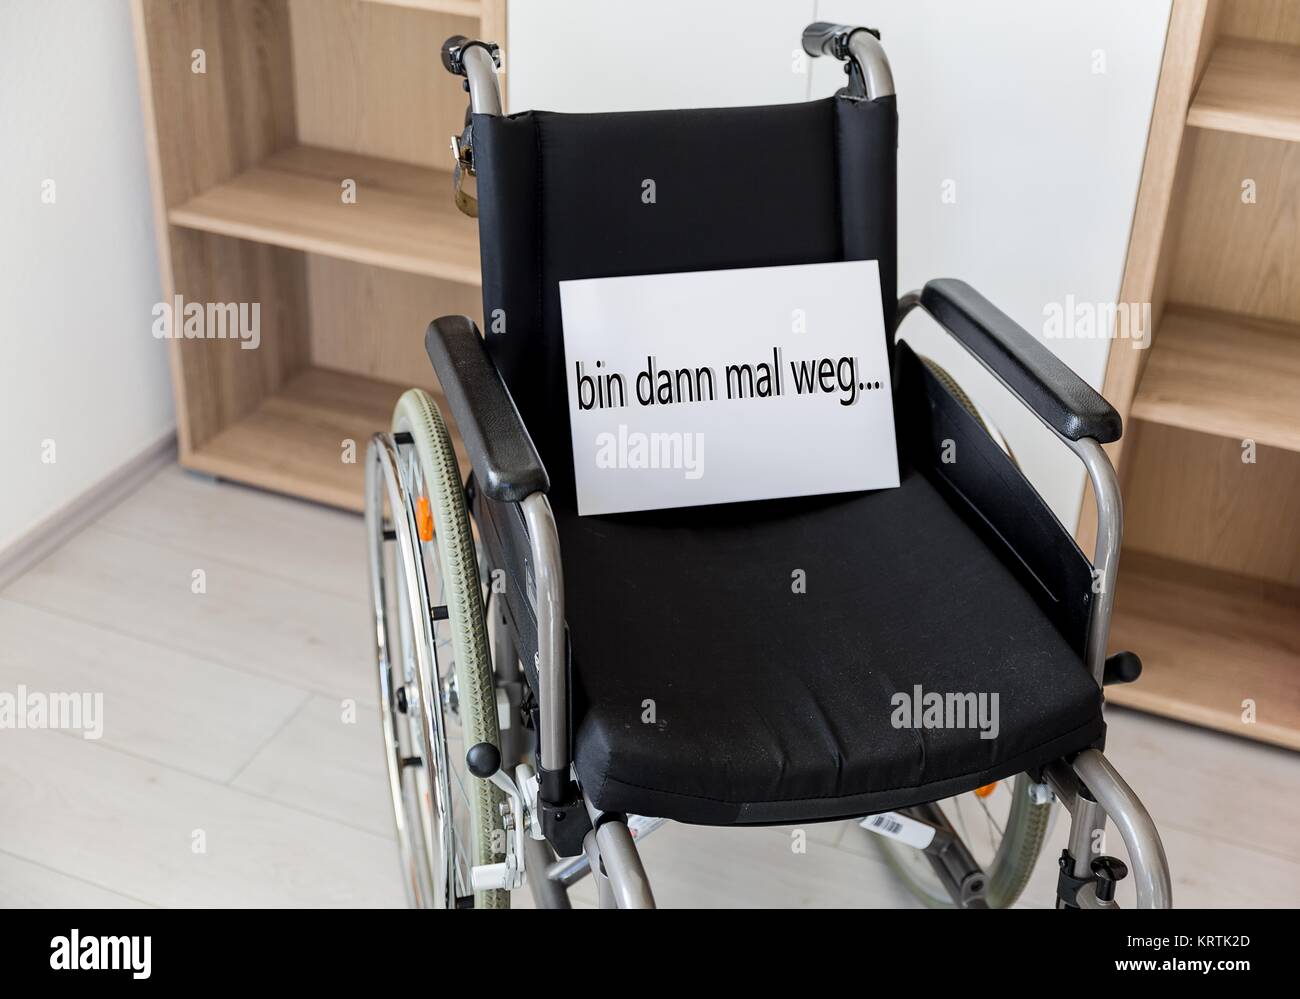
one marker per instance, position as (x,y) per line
(262,117)
(1209,583)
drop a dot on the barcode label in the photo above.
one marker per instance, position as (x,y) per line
(892,825)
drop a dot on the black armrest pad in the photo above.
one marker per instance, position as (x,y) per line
(1047,385)
(501,452)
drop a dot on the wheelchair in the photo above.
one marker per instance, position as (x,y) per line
(519,646)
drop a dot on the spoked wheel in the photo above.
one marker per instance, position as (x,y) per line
(436,692)
(1003,825)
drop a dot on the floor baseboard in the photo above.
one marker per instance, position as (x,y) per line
(83,509)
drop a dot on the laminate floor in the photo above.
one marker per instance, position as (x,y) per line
(240,761)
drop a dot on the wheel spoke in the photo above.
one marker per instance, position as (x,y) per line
(961,819)
(989,816)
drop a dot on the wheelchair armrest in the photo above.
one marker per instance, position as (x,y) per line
(1060,398)
(501,452)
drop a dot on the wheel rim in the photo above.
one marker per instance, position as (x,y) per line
(438,686)
(421,794)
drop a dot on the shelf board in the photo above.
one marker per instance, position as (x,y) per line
(1250,87)
(1209,641)
(404,217)
(465,8)
(1224,375)
(293,441)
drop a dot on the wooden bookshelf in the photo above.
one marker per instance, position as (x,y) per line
(250,148)
(1209,582)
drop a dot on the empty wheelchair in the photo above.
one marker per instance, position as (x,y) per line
(518,644)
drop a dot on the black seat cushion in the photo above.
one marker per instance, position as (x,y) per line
(772,706)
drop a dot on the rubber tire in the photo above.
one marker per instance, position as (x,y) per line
(417,413)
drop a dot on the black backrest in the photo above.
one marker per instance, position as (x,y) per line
(561,196)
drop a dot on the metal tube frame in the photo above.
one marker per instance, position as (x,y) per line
(612,850)
(552,679)
(484,86)
(1146,852)
(866,50)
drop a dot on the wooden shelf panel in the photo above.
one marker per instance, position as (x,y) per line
(465,8)
(1250,87)
(1209,641)
(1224,375)
(293,441)
(404,217)
(1189,497)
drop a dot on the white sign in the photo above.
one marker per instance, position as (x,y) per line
(723,386)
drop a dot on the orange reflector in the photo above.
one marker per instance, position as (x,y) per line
(424,518)
(986,790)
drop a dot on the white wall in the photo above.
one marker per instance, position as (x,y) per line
(999,96)
(78,363)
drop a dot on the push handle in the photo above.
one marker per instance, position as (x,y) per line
(451,50)
(860,51)
(477,61)
(822,38)
(454,50)
(819,37)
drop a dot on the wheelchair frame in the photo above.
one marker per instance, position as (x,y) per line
(1085,783)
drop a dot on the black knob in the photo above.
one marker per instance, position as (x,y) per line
(1122,667)
(483,760)
(1109,872)
(451,49)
